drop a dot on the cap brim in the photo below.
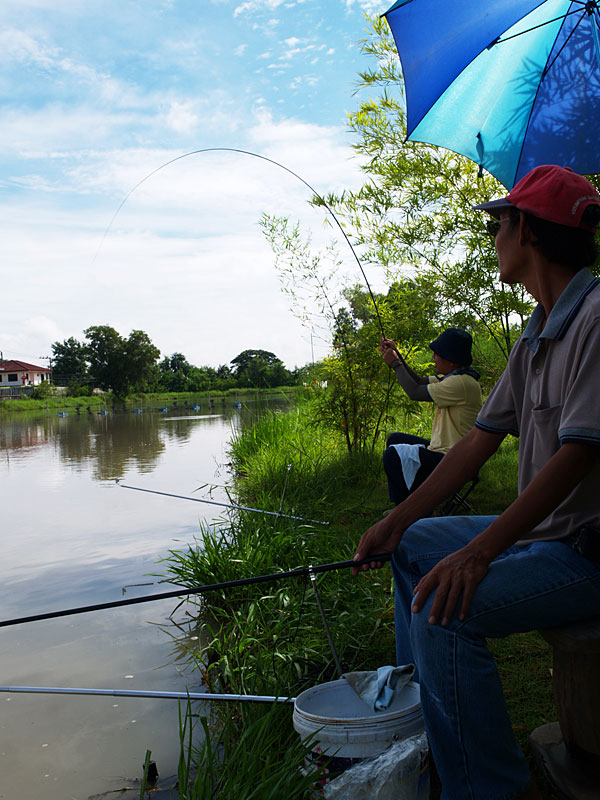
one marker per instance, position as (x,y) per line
(494,207)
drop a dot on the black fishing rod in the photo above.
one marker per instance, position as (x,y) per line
(223,505)
(211,587)
(319,197)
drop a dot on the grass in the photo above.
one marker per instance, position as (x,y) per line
(269,639)
(15,404)
(273,776)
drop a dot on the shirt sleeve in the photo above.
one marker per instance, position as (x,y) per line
(448,392)
(580,420)
(498,414)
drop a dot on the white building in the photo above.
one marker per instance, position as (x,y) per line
(15,374)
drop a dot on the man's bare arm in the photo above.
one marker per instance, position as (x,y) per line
(458,465)
(458,575)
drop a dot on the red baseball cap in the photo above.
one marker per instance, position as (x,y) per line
(553,193)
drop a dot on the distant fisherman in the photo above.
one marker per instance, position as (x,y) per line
(408,460)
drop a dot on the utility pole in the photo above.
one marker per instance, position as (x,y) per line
(49,360)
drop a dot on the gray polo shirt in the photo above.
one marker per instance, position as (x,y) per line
(549,395)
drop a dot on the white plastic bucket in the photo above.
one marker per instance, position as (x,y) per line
(345,731)
(342,725)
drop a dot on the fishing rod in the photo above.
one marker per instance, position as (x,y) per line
(209,696)
(319,197)
(223,505)
(275,576)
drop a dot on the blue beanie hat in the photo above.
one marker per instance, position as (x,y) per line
(454,344)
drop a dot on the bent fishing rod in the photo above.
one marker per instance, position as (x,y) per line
(211,587)
(319,197)
(223,505)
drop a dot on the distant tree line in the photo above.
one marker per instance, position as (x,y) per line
(123,365)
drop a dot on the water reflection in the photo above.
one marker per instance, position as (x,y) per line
(71,537)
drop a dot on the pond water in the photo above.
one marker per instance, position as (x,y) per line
(70,537)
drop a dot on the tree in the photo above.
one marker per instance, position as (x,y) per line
(69,362)
(259,369)
(140,360)
(413,215)
(358,384)
(174,373)
(118,364)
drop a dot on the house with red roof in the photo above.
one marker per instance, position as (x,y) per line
(19,374)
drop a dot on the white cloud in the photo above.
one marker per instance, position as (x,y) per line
(240,50)
(185,258)
(181,117)
(369,6)
(31,340)
(254,6)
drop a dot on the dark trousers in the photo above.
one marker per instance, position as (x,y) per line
(392,465)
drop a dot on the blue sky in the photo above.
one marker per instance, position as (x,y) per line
(97,94)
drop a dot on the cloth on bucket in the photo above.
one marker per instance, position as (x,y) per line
(409,458)
(377,688)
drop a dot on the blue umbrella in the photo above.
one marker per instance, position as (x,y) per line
(508,83)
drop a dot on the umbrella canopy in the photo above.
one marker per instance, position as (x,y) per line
(510,84)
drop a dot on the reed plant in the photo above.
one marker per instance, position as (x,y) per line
(266,767)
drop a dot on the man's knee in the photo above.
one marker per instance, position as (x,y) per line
(432,645)
(390,459)
(391,439)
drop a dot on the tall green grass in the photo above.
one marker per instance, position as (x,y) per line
(263,765)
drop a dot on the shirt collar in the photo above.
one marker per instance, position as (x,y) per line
(563,313)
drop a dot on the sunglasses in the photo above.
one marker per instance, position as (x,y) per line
(492,226)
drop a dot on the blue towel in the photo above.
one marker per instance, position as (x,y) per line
(377,688)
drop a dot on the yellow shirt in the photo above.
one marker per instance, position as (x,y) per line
(458,401)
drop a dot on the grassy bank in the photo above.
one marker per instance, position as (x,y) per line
(270,639)
(107,400)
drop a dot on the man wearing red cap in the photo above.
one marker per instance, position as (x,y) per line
(460,580)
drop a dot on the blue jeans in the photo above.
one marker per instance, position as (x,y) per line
(541,585)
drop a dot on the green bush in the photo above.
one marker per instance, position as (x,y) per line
(41,391)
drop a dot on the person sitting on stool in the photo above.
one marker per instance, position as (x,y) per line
(408,460)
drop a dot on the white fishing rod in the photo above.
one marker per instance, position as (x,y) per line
(208,696)
(223,505)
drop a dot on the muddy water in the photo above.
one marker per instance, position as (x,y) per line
(69,537)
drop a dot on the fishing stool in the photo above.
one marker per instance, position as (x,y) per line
(458,500)
(569,750)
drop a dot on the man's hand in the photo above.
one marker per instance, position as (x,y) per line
(383,537)
(386,345)
(457,574)
(389,356)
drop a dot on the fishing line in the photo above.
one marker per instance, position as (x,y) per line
(336,660)
(223,505)
(316,194)
(211,587)
(319,197)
